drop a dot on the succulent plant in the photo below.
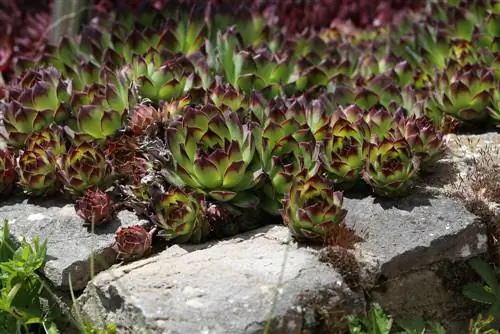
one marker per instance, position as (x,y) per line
(311,208)
(126,157)
(344,147)
(425,141)
(158,79)
(185,35)
(83,75)
(366,98)
(179,214)
(403,73)
(312,76)
(317,118)
(380,121)
(494,110)
(174,109)
(368,66)
(239,116)
(82,167)
(20,123)
(390,168)
(94,207)
(25,29)
(132,242)
(8,172)
(38,98)
(142,117)
(285,148)
(37,172)
(385,89)
(214,152)
(130,38)
(340,95)
(433,44)
(226,220)
(225,56)
(49,139)
(467,93)
(105,113)
(225,97)
(265,71)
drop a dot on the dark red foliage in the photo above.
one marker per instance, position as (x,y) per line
(24,33)
(294,15)
(132,242)
(298,15)
(317,14)
(25,23)
(94,207)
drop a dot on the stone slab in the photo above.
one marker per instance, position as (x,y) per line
(413,232)
(70,245)
(230,286)
(413,261)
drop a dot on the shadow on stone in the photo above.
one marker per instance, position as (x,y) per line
(248,235)
(444,172)
(403,203)
(46,202)
(107,228)
(50,202)
(360,191)
(50,258)
(240,285)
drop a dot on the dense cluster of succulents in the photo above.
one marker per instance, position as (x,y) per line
(24,31)
(207,127)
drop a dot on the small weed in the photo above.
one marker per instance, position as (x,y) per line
(21,286)
(479,325)
(21,290)
(91,329)
(378,322)
(486,292)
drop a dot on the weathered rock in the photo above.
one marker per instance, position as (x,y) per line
(70,245)
(471,172)
(412,232)
(231,286)
(411,246)
(465,153)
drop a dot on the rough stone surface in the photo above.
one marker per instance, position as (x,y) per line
(70,245)
(471,171)
(412,232)
(464,152)
(230,286)
(411,245)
